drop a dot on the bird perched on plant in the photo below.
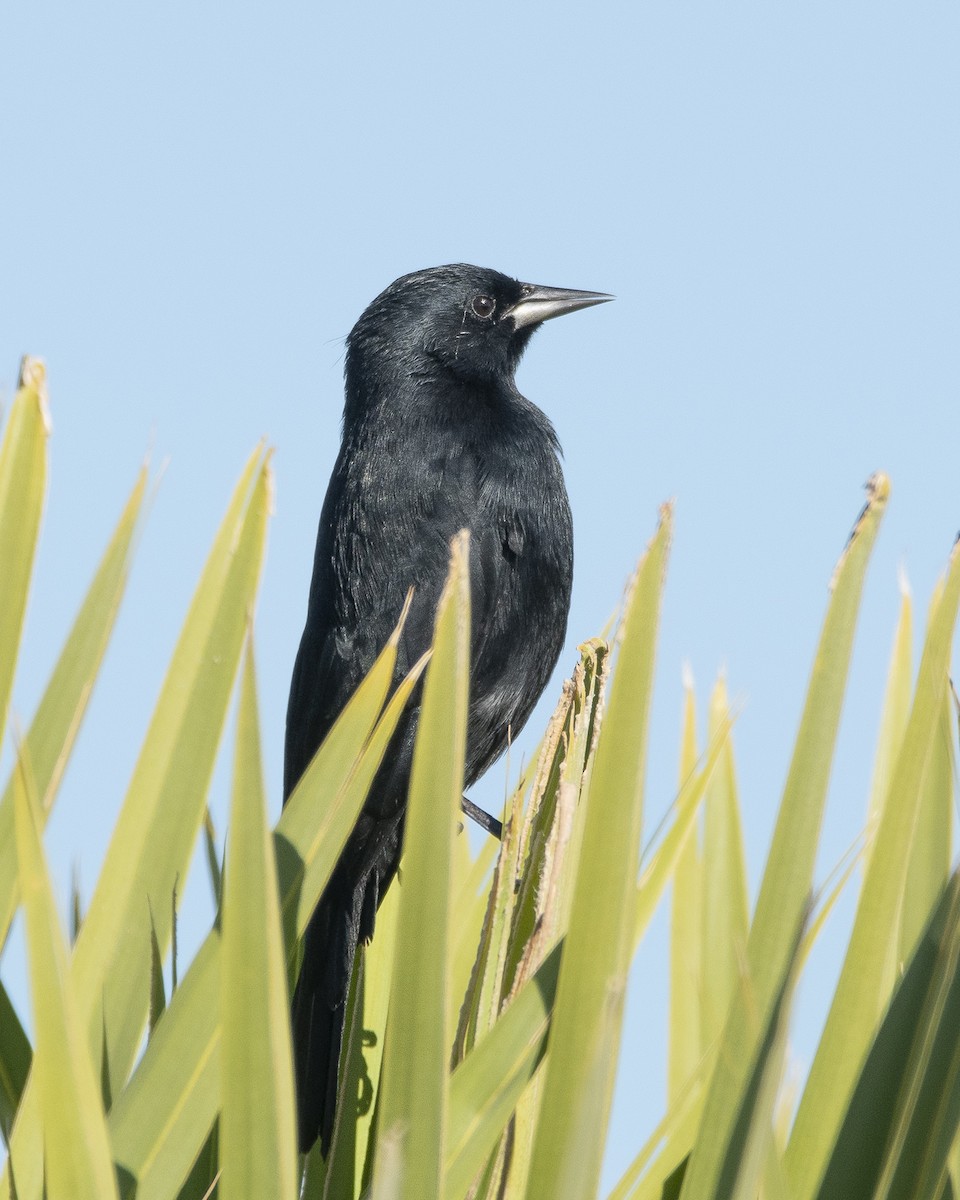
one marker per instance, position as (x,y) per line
(436,438)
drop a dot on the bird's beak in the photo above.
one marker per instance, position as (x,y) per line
(538,304)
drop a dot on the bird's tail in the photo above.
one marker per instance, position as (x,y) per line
(318,1014)
(344,915)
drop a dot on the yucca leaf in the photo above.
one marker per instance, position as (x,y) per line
(153,839)
(788,875)
(683,1114)
(151,843)
(683,1049)
(201,1183)
(59,714)
(76,905)
(775,1186)
(525,916)
(413,1099)
(664,1178)
(739,1163)
(585,1027)
(158,998)
(76,1150)
(23,478)
(897,1129)
(353,1143)
(675,1128)
(864,985)
(485,1088)
(895,712)
(725,916)
(378,961)
(15,1056)
(258,1141)
(174,949)
(931,850)
(213,861)
(551,844)
(662,863)
(159,1123)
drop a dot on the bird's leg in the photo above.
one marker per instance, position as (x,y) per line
(483,819)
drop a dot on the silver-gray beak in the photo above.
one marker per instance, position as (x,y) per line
(538,304)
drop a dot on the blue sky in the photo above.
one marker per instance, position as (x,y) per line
(200,200)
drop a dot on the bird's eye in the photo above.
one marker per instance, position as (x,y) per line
(483,306)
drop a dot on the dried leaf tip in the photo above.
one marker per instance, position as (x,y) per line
(404,612)
(459,569)
(460,544)
(33,375)
(878,492)
(271,481)
(903,581)
(878,488)
(686,675)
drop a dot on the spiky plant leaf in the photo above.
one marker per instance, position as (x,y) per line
(258,1141)
(76,1150)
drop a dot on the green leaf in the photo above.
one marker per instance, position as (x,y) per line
(895,713)
(76,905)
(896,1131)
(864,985)
(675,1128)
(154,836)
(664,860)
(213,860)
(788,875)
(77,1159)
(740,1158)
(931,851)
(23,477)
(158,999)
(683,1114)
(504,904)
(258,1143)
(312,831)
(15,1057)
(526,914)
(152,841)
(56,723)
(585,1030)
(201,1183)
(540,886)
(725,919)
(683,1052)
(159,1123)
(414,1086)
(174,961)
(485,1088)
(367,1006)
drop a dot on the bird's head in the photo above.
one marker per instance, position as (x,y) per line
(469,322)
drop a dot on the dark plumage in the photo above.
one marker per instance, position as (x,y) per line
(436,438)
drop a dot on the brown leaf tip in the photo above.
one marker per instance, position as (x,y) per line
(33,373)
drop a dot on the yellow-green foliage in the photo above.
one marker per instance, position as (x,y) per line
(485,1066)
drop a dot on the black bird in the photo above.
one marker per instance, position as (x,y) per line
(436,438)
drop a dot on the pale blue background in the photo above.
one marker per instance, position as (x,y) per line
(199,200)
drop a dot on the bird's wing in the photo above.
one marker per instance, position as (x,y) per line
(372,550)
